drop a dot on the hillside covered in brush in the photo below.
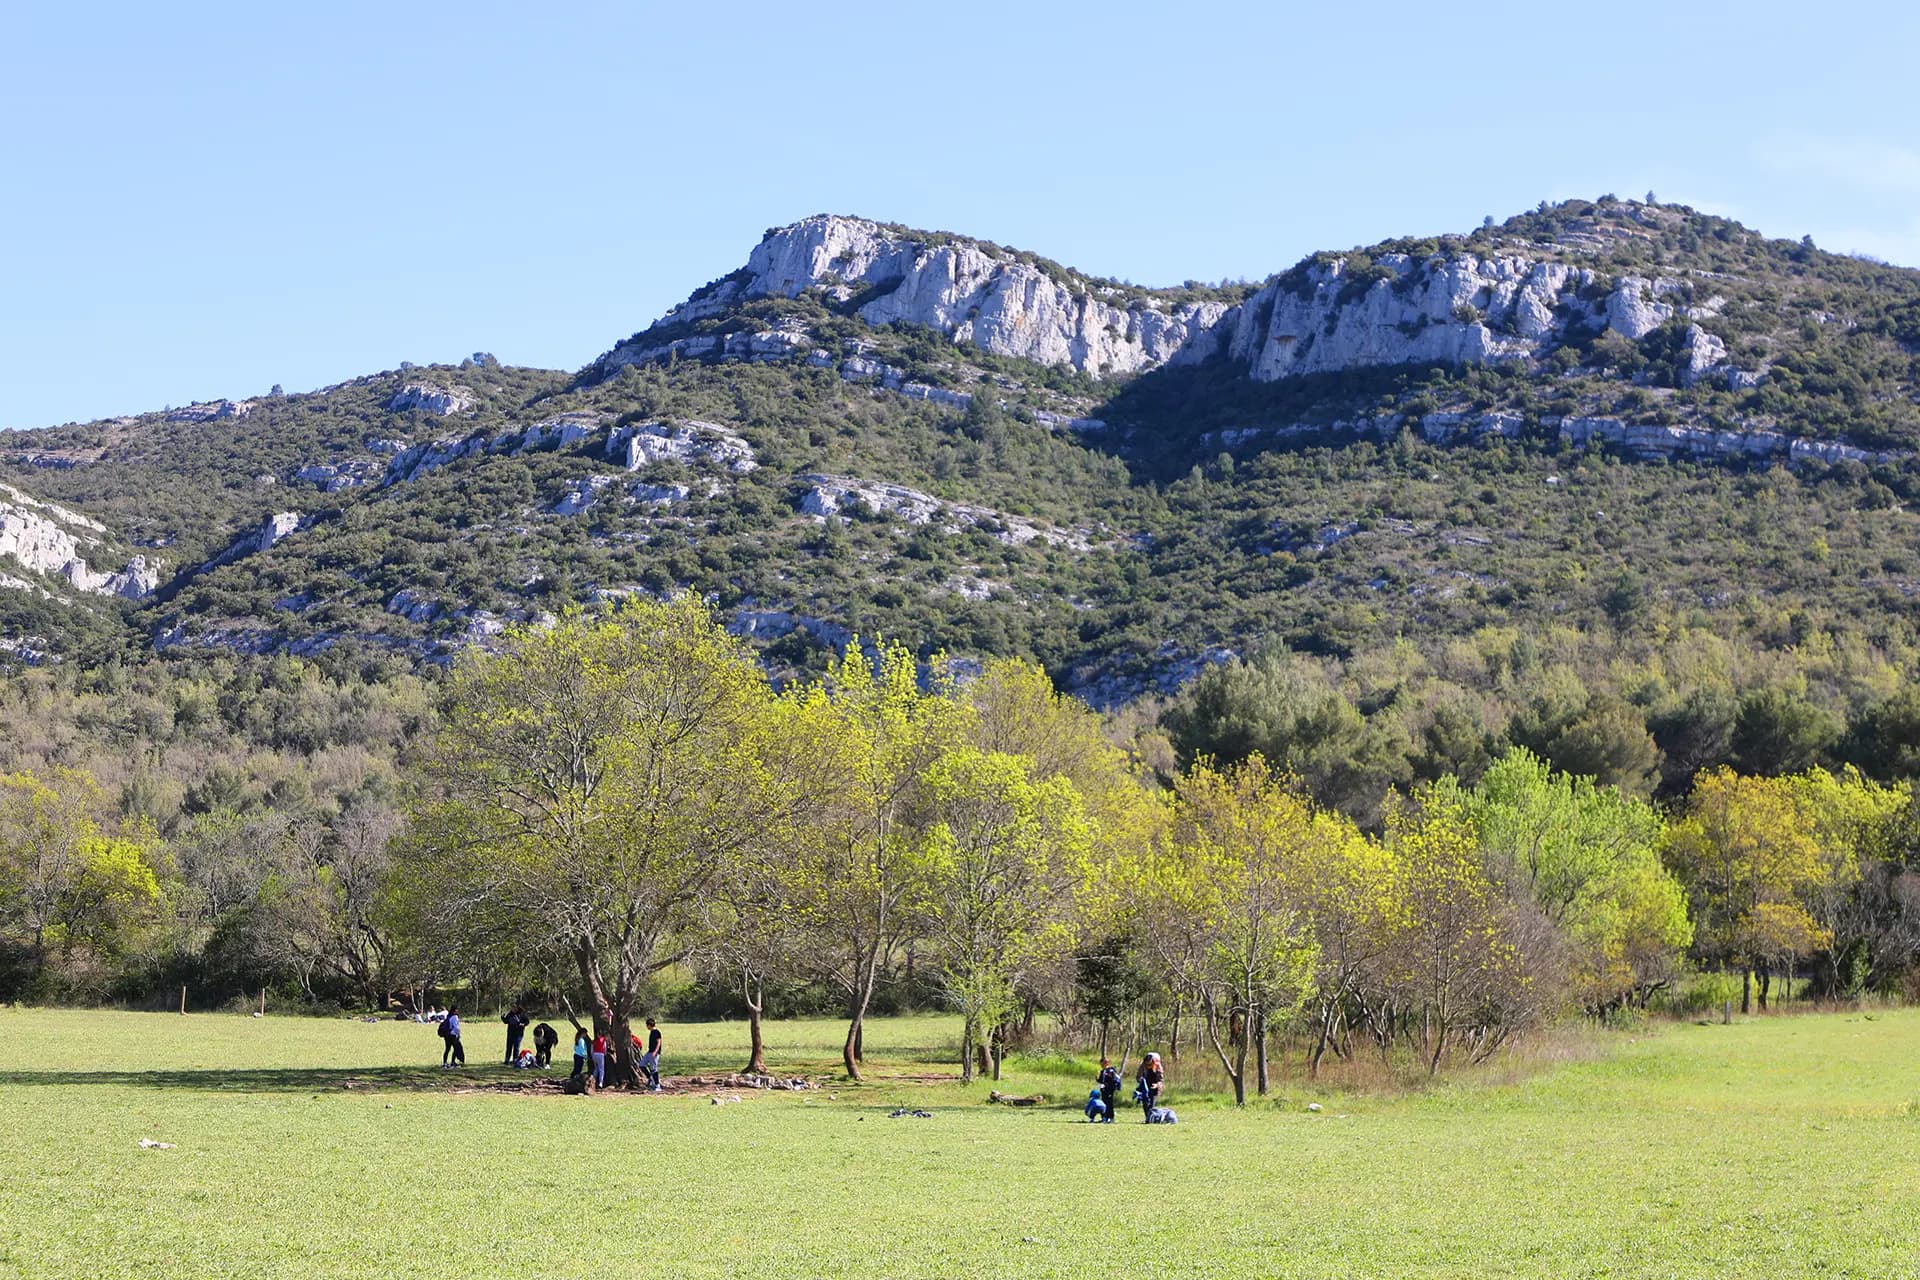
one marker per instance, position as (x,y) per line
(1556,480)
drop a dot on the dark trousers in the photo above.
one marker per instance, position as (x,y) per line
(454,1052)
(579,1064)
(1112,1098)
(543,1055)
(1147,1105)
(513,1046)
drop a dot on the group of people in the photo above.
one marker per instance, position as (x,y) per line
(1104,1102)
(591,1052)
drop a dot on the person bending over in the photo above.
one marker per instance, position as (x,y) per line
(544,1039)
(1149,1081)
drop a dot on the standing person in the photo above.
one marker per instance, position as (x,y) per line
(516,1020)
(455,1054)
(1109,1082)
(580,1050)
(544,1039)
(650,1060)
(600,1047)
(1150,1079)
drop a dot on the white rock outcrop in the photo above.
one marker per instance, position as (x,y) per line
(50,539)
(581,494)
(268,534)
(209,411)
(830,497)
(430,399)
(636,446)
(994,299)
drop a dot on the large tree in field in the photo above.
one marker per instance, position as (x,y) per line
(1747,851)
(590,785)
(1006,854)
(1455,951)
(754,935)
(1588,857)
(70,887)
(1230,916)
(855,878)
(1017,711)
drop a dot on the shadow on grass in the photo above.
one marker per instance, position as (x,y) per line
(281,1079)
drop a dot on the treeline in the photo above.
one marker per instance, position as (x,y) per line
(617,803)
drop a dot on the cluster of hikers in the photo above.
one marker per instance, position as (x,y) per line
(591,1052)
(1103,1103)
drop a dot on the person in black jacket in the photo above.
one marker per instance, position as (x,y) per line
(1109,1082)
(1149,1080)
(544,1039)
(516,1020)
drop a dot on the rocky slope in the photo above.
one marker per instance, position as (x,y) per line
(1004,303)
(43,538)
(869,430)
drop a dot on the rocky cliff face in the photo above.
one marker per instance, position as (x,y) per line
(990,298)
(1322,317)
(53,540)
(1451,310)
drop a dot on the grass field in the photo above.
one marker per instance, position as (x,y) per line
(1779,1147)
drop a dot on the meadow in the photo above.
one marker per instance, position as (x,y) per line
(1773,1147)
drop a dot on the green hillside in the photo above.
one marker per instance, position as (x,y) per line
(1452,593)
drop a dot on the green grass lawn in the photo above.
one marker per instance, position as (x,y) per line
(1779,1147)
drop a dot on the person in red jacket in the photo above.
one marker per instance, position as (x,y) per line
(600,1049)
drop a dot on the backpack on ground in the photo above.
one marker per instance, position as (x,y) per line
(1162,1115)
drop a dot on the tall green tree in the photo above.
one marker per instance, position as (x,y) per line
(1006,854)
(590,785)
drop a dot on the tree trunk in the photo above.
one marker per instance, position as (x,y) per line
(1240,1066)
(857,1015)
(1766,982)
(1173,1037)
(966,1050)
(753,990)
(1103,1037)
(1258,1026)
(1746,990)
(1439,1047)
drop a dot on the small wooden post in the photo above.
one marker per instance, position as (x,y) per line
(183,999)
(263,1002)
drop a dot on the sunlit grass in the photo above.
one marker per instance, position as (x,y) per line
(1776,1147)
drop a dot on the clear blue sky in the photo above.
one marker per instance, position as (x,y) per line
(201,200)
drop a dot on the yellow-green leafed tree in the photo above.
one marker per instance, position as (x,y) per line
(1228,910)
(1457,960)
(590,785)
(856,877)
(1017,711)
(1587,857)
(1747,850)
(1356,903)
(1006,856)
(1854,820)
(71,888)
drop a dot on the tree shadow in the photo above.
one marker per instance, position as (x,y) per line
(279,1079)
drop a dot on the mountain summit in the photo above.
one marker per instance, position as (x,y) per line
(873,430)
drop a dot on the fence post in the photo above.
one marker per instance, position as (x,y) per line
(183,999)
